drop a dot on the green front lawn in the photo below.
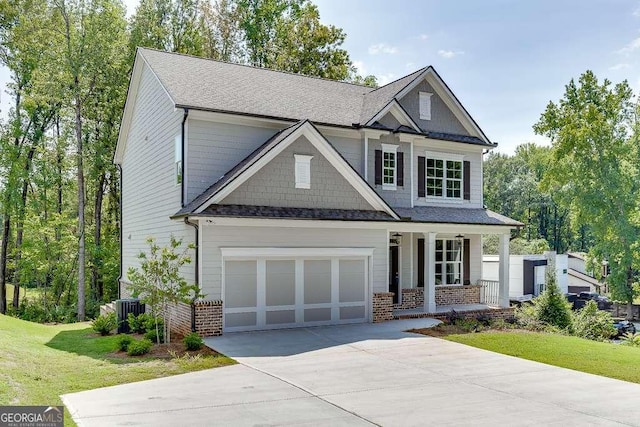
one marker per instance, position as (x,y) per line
(38,362)
(600,358)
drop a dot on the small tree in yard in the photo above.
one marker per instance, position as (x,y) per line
(158,282)
(551,306)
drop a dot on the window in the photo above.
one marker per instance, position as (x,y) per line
(389,162)
(303,170)
(178,157)
(449,261)
(425,105)
(444,177)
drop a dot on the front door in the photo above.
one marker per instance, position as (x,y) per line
(394,272)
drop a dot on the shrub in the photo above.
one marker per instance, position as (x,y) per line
(123,341)
(630,339)
(139,347)
(453,317)
(484,319)
(105,324)
(593,324)
(551,307)
(137,323)
(193,341)
(153,337)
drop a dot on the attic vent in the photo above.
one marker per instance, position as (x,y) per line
(303,170)
(425,105)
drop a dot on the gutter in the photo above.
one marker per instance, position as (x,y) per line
(197,272)
(119,167)
(184,120)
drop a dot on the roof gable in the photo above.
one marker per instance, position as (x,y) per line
(268,151)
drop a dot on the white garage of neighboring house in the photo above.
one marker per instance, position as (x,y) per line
(527,273)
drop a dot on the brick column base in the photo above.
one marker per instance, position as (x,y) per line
(208,317)
(382,307)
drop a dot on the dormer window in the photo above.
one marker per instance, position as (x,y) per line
(425,105)
(303,170)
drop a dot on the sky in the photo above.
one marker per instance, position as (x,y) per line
(504,59)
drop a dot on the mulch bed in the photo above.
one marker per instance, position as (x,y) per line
(166,351)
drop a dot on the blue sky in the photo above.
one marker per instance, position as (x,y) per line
(505,60)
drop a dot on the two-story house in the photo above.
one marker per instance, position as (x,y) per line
(310,201)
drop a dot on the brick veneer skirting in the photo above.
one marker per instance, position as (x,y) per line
(208,317)
(456,294)
(494,313)
(382,307)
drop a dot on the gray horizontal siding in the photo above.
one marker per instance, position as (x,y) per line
(351,149)
(214,237)
(401,196)
(149,191)
(274,184)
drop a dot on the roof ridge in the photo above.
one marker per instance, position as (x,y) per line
(358,85)
(403,77)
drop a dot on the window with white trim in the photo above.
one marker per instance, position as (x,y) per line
(178,159)
(449,262)
(444,176)
(303,170)
(425,105)
(389,163)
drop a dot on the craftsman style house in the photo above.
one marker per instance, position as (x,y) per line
(310,201)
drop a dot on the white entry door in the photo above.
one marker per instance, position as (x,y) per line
(285,292)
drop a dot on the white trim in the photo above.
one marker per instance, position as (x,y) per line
(365,158)
(390,149)
(424,105)
(325,148)
(396,111)
(444,156)
(411,171)
(302,170)
(295,253)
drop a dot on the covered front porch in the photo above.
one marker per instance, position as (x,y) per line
(437,271)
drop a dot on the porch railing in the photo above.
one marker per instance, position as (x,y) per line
(489,292)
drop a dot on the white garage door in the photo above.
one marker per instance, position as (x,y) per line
(284,291)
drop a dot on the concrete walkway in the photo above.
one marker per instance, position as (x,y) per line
(362,375)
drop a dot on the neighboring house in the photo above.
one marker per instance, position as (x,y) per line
(581,279)
(310,201)
(527,273)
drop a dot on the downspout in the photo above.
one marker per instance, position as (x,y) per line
(197,273)
(184,121)
(119,167)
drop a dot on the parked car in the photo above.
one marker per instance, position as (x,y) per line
(624,327)
(602,301)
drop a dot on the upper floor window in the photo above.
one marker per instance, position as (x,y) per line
(389,166)
(178,159)
(303,170)
(444,176)
(425,105)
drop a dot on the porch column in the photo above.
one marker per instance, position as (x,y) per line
(503,272)
(430,272)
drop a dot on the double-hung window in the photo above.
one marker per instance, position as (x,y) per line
(444,176)
(449,262)
(389,166)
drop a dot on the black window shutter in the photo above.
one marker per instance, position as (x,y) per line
(467,180)
(465,261)
(400,168)
(421,177)
(421,262)
(378,171)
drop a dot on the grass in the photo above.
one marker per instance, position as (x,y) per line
(38,363)
(29,292)
(599,358)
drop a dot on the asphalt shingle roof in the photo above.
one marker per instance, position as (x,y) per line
(451,215)
(242,211)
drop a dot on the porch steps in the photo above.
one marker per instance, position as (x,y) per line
(493,312)
(107,308)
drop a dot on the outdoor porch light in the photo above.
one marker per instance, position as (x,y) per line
(459,240)
(396,238)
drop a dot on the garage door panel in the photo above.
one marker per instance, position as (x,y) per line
(352,280)
(280,283)
(317,281)
(235,320)
(277,317)
(240,284)
(317,314)
(350,313)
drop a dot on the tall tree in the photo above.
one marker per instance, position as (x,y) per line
(594,132)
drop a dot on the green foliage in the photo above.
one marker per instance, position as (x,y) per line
(631,340)
(105,324)
(153,334)
(593,324)
(123,341)
(141,323)
(193,341)
(551,307)
(139,347)
(517,246)
(41,311)
(596,157)
(159,284)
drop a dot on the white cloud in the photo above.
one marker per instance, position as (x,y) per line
(620,66)
(383,48)
(383,79)
(633,45)
(448,54)
(362,70)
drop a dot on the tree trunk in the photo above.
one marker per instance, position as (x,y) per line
(81,223)
(96,281)
(6,232)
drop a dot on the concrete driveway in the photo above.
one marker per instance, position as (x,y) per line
(362,375)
